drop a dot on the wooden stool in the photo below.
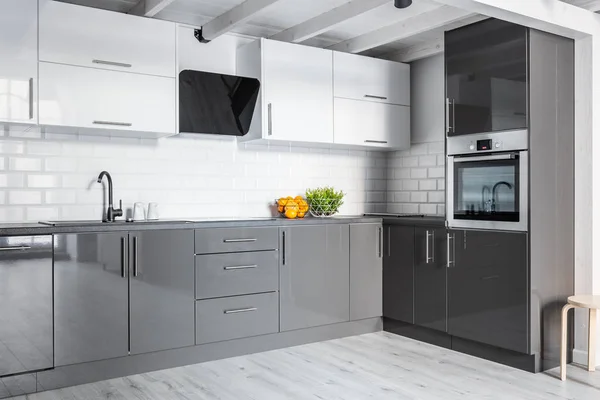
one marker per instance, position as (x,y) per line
(592,303)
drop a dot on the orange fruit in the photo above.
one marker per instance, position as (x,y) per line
(280,208)
(300,214)
(291,214)
(298,199)
(292,205)
(282,202)
(303,206)
(289,198)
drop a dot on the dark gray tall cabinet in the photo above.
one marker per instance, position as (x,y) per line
(122,293)
(314,275)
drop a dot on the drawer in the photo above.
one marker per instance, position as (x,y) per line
(89,37)
(220,275)
(236,317)
(228,240)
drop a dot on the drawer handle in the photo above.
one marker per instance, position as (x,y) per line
(370,96)
(240,267)
(239,240)
(112,123)
(112,63)
(487,278)
(240,310)
(376,141)
(15,248)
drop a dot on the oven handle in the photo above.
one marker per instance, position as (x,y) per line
(492,157)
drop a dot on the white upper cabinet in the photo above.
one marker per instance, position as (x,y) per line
(371,124)
(18,61)
(370,79)
(89,37)
(110,101)
(296,102)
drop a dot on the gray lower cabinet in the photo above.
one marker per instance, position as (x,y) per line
(236,317)
(25,309)
(398,272)
(162,290)
(366,271)
(122,293)
(91,297)
(314,275)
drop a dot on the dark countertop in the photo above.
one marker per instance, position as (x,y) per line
(423,220)
(19,229)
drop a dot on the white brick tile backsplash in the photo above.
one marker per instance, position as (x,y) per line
(60,197)
(25,164)
(18,197)
(43,148)
(418,173)
(11,147)
(43,181)
(42,213)
(12,180)
(416,179)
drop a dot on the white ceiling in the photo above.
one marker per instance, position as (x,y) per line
(284,14)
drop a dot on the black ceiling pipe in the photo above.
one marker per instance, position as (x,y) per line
(402,3)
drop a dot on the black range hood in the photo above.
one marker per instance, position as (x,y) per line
(216,103)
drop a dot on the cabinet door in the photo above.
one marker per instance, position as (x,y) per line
(398,272)
(297,92)
(486,77)
(366,123)
(90,37)
(366,271)
(430,277)
(91,297)
(488,289)
(365,78)
(25,304)
(94,98)
(314,276)
(18,61)
(162,290)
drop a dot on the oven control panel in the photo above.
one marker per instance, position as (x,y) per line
(485,145)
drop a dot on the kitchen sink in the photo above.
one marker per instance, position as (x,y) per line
(123,222)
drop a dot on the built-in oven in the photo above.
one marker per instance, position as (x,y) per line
(487,181)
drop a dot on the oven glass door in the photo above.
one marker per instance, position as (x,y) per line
(487,188)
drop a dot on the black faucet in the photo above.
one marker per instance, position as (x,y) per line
(111,212)
(494,192)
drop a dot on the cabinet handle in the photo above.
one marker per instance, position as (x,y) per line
(112,123)
(487,278)
(240,267)
(123,257)
(112,63)
(449,237)
(427,257)
(15,248)
(240,310)
(370,96)
(135,256)
(30,98)
(376,141)
(270,119)
(283,247)
(380,242)
(239,240)
(449,126)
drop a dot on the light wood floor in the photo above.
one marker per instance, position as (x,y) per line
(373,366)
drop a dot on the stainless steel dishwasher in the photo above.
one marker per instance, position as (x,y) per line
(26,328)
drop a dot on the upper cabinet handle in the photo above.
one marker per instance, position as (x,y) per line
(238,267)
(30,98)
(270,119)
(370,96)
(112,123)
(112,63)
(239,240)
(450,109)
(376,141)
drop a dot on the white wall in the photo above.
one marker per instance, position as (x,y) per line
(416,177)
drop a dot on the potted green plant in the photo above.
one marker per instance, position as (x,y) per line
(324,201)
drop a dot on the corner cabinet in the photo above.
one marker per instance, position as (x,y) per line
(295,104)
(18,61)
(398,272)
(366,271)
(314,275)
